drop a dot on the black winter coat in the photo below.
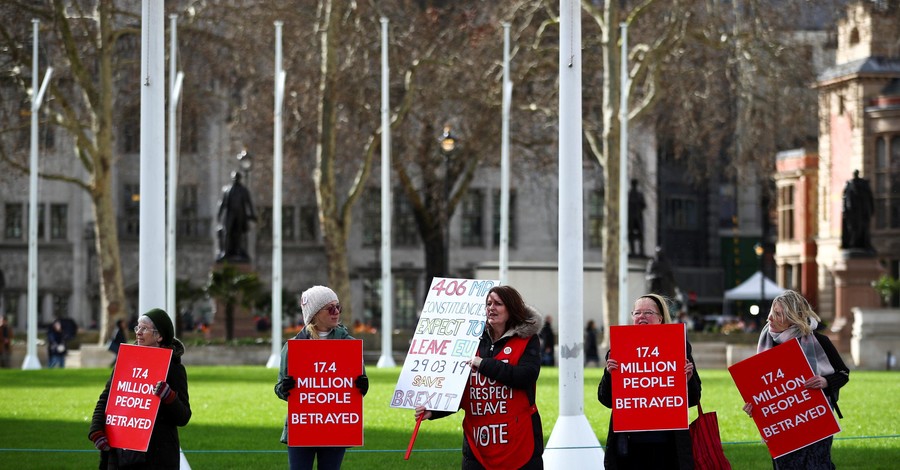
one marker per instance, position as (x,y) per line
(684,453)
(522,376)
(165,448)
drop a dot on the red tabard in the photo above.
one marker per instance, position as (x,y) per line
(498,418)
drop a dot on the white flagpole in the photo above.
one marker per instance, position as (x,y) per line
(277,163)
(572,442)
(31,361)
(387,283)
(504,162)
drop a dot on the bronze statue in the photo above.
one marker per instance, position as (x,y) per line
(235,214)
(858,207)
(636,207)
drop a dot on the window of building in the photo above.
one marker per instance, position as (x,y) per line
(40,218)
(187,131)
(595,218)
(59,221)
(680,213)
(266,223)
(887,182)
(288,232)
(48,131)
(372,301)
(512,218)
(189,223)
(264,229)
(131,202)
(309,216)
(473,218)
(786,213)
(405,302)
(371,220)
(60,305)
(789,281)
(404,230)
(131,131)
(13,222)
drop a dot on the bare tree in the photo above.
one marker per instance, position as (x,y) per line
(83,45)
(718,82)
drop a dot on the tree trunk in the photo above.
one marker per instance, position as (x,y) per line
(112,286)
(609,160)
(112,290)
(334,224)
(229,321)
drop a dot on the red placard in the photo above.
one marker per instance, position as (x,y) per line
(649,389)
(788,415)
(131,405)
(325,409)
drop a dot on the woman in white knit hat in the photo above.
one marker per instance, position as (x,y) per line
(322,320)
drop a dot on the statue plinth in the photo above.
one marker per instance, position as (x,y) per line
(244,325)
(853,276)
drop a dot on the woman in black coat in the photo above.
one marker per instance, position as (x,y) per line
(649,449)
(154,329)
(505,373)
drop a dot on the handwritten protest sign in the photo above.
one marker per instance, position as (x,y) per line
(131,405)
(435,372)
(325,408)
(649,389)
(788,415)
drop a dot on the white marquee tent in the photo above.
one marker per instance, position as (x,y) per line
(752,290)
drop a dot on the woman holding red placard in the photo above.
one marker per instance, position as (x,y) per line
(649,449)
(501,390)
(322,320)
(792,317)
(154,329)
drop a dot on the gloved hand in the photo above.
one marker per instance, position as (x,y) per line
(362,383)
(164,392)
(100,441)
(287,384)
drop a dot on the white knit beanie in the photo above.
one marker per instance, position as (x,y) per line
(313,299)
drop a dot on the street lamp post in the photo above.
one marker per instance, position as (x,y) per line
(448,144)
(760,250)
(245,161)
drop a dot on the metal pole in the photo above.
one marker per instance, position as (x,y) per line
(274,361)
(446,214)
(152,231)
(175,79)
(504,163)
(572,441)
(387,283)
(762,280)
(624,86)
(31,361)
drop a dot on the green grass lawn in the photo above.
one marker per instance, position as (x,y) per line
(236,424)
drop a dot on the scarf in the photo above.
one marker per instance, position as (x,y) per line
(813,351)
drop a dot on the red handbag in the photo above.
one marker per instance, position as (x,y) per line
(706,443)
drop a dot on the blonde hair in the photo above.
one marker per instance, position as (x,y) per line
(797,310)
(661,302)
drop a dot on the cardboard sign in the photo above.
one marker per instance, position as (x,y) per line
(649,389)
(788,415)
(325,408)
(131,405)
(435,372)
